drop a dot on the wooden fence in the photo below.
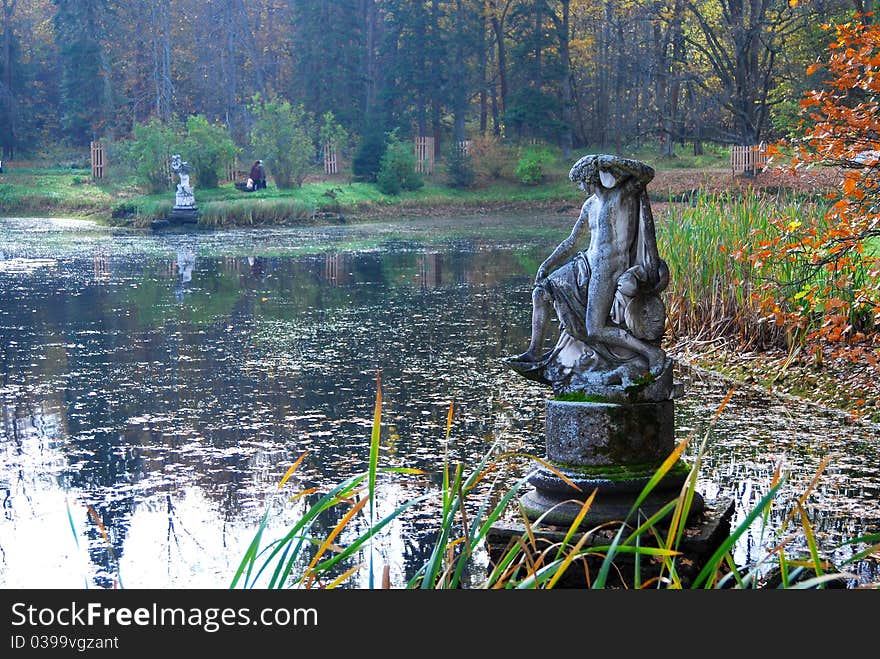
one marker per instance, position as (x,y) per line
(236,172)
(425,155)
(331,161)
(99,161)
(748,160)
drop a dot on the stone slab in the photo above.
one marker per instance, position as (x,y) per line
(559,509)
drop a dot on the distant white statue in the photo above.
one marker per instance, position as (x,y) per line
(184,197)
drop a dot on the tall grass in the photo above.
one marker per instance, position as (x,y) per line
(714,281)
(300,559)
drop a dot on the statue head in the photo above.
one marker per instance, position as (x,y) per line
(179,166)
(606,171)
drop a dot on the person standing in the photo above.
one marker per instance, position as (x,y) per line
(258,175)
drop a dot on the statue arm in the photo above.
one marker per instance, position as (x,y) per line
(567,247)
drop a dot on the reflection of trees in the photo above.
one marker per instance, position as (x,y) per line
(101,264)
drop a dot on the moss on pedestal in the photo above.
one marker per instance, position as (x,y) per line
(623,472)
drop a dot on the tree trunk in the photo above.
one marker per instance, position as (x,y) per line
(482,66)
(8,8)
(161,41)
(498,29)
(567,137)
(459,101)
(369,66)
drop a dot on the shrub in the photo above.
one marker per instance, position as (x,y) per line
(368,158)
(150,150)
(332,132)
(397,171)
(491,159)
(282,136)
(459,168)
(532,165)
(208,148)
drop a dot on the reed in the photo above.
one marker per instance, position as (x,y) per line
(715,284)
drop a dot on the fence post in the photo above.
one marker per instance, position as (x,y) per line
(748,160)
(97,158)
(331,163)
(425,154)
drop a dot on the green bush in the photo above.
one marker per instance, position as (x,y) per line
(397,170)
(208,148)
(149,151)
(282,136)
(532,165)
(368,158)
(459,168)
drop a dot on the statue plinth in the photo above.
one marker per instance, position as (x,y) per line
(612,444)
(184,215)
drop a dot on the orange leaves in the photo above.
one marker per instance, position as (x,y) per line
(825,279)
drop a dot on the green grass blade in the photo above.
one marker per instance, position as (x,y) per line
(370,533)
(712,564)
(374,445)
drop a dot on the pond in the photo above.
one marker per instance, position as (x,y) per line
(155,389)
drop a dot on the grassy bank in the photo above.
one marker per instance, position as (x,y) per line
(72,192)
(68,190)
(716,321)
(329,201)
(56,191)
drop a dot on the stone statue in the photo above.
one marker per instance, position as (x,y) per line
(607,301)
(606,298)
(184,197)
(185,210)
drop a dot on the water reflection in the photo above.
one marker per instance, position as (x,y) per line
(162,386)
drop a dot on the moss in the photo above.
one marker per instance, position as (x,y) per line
(581,397)
(619,472)
(641,382)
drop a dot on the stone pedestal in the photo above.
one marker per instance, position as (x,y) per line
(613,443)
(184,215)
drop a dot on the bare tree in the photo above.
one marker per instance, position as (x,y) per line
(742,44)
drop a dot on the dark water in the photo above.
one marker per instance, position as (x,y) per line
(164,384)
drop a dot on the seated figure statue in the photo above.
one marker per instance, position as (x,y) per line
(606,298)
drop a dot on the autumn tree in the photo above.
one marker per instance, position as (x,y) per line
(743,42)
(835,296)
